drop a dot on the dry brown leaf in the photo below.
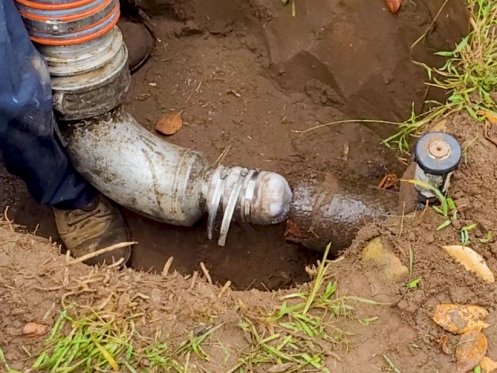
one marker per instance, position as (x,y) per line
(491,116)
(471,349)
(471,260)
(394,5)
(459,319)
(170,123)
(487,365)
(32,329)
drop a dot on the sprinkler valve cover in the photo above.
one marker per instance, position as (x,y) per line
(437,153)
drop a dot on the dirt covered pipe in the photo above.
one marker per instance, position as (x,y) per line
(327,209)
(87,60)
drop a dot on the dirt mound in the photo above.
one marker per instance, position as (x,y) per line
(168,313)
(442,280)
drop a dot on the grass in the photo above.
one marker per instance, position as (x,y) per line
(103,341)
(301,334)
(390,364)
(469,76)
(465,234)
(447,208)
(487,238)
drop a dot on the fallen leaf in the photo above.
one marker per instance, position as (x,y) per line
(488,365)
(280,368)
(459,319)
(32,329)
(471,349)
(491,116)
(170,123)
(394,5)
(442,341)
(470,260)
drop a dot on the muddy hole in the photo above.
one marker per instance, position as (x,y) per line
(251,77)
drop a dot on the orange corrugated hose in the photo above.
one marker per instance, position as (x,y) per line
(43,6)
(71,17)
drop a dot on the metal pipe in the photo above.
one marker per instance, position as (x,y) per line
(87,60)
(167,182)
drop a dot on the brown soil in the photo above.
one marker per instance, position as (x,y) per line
(248,75)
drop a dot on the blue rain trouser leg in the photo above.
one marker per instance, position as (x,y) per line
(27,138)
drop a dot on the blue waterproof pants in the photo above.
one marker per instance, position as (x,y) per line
(28,142)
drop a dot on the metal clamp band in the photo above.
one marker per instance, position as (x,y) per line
(230,209)
(213,206)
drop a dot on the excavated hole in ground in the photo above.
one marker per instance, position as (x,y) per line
(247,76)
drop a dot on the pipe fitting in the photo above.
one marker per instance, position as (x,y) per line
(87,60)
(248,196)
(168,183)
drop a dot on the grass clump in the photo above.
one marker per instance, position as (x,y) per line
(447,208)
(101,341)
(469,76)
(301,334)
(84,340)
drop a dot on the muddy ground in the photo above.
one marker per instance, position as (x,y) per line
(36,280)
(249,76)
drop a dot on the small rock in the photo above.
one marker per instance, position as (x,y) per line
(486,224)
(389,264)
(462,204)
(34,329)
(17,324)
(456,224)
(493,248)
(411,237)
(403,304)
(429,237)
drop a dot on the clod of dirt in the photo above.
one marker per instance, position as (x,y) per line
(460,319)
(487,365)
(470,351)
(33,329)
(390,265)
(471,260)
(394,5)
(170,123)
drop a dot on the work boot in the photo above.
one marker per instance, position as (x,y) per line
(97,226)
(138,40)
